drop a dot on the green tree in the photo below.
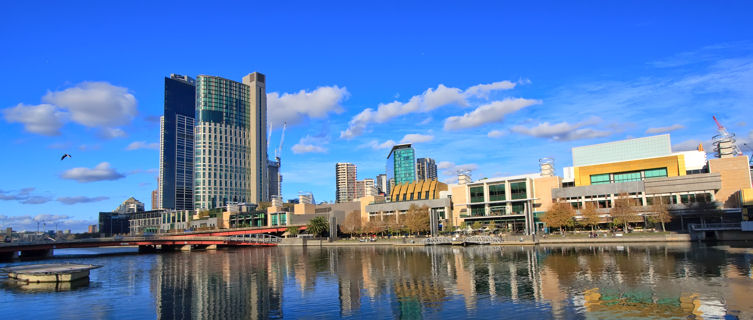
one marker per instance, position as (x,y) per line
(417,219)
(476,225)
(590,215)
(560,215)
(292,231)
(318,226)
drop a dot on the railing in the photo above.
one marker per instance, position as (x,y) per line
(262,238)
(482,239)
(437,240)
(714,226)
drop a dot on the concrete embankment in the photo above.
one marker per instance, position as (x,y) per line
(627,239)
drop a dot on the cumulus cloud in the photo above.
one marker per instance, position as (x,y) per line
(101,172)
(429,100)
(136,145)
(44,119)
(80,199)
(112,133)
(374,144)
(664,129)
(450,169)
(294,107)
(488,113)
(496,133)
(563,131)
(310,144)
(416,138)
(92,104)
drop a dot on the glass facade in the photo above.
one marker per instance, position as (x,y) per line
(628,176)
(624,150)
(176,183)
(518,190)
(497,192)
(401,164)
(477,194)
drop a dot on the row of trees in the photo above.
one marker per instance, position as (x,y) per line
(624,211)
(414,221)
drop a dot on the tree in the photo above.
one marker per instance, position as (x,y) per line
(391,224)
(661,210)
(318,226)
(352,223)
(623,211)
(293,231)
(590,215)
(476,225)
(559,215)
(417,219)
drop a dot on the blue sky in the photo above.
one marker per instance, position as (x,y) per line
(487,86)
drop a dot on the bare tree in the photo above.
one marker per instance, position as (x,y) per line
(624,210)
(352,223)
(559,215)
(661,210)
(417,219)
(590,215)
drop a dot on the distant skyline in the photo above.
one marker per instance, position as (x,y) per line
(491,87)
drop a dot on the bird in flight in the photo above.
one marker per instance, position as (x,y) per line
(64,156)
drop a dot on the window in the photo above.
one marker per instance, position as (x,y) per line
(477,194)
(497,192)
(600,178)
(518,190)
(498,210)
(627,176)
(518,207)
(654,173)
(478,211)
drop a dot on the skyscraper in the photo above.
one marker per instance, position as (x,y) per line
(426,169)
(401,164)
(275,178)
(365,188)
(345,175)
(176,169)
(381,184)
(231,142)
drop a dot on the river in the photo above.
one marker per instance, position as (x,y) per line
(673,281)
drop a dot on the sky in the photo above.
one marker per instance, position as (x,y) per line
(487,86)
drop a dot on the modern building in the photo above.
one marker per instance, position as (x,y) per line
(92,228)
(113,223)
(424,193)
(401,165)
(175,220)
(145,222)
(381,183)
(345,179)
(230,141)
(365,187)
(176,168)
(155,199)
(426,169)
(131,205)
(275,179)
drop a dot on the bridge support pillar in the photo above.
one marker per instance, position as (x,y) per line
(147,249)
(186,248)
(8,255)
(36,253)
(212,247)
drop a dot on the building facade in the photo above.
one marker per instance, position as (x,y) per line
(345,176)
(426,169)
(365,187)
(382,185)
(145,222)
(131,205)
(230,141)
(176,168)
(401,165)
(275,179)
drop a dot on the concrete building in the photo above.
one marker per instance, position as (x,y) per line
(230,141)
(345,179)
(382,186)
(401,165)
(176,168)
(424,193)
(131,205)
(147,222)
(175,220)
(92,228)
(426,169)
(275,179)
(155,199)
(114,223)
(365,187)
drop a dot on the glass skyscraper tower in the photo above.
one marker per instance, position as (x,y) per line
(401,165)
(231,141)
(176,167)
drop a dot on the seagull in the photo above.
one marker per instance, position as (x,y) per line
(65,155)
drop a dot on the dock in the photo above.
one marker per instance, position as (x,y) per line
(52,272)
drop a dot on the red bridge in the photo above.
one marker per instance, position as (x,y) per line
(146,244)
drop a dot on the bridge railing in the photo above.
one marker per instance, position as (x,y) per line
(259,238)
(714,226)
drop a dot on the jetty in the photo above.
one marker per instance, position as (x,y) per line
(51,272)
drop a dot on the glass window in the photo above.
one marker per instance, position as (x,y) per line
(518,207)
(518,190)
(627,176)
(600,178)
(477,194)
(653,173)
(497,192)
(478,211)
(498,210)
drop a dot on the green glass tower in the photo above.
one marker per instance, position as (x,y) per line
(401,164)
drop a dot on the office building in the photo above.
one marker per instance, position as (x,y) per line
(155,199)
(426,169)
(275,179)
(345,180)
(230,141)
(401,165)
(112,223)
(365,187)
(176,168)
(382,185)
(131,205)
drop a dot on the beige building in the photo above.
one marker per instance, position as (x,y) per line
(345,182)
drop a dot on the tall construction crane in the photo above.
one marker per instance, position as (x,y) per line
(278,151)
(724,142)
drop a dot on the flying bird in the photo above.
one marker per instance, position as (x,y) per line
(65,155)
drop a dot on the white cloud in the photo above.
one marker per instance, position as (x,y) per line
(427,101)
(24,196)
(44,119)
(309,144)
(112,133)
(80,199)
(450,169)
(563,131)
(374,144)
(101,172)
(96,104)
(136,145)
(692,144)
(416,138)
(496,133)
(29,223)
(664,129)
(294,107)
(488,113)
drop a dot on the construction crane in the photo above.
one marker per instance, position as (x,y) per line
(278,151)
(724,142)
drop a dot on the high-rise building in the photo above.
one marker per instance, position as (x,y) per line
(176,169)
(426,169)
(231,142)
(345,175)
(275,179)
(401,164)
(381,184)
(365,188)
(155,199)
(131,205)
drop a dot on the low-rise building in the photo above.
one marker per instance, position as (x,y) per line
(146,222)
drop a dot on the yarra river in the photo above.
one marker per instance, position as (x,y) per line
(673,281)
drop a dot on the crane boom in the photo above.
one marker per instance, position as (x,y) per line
(278,152)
